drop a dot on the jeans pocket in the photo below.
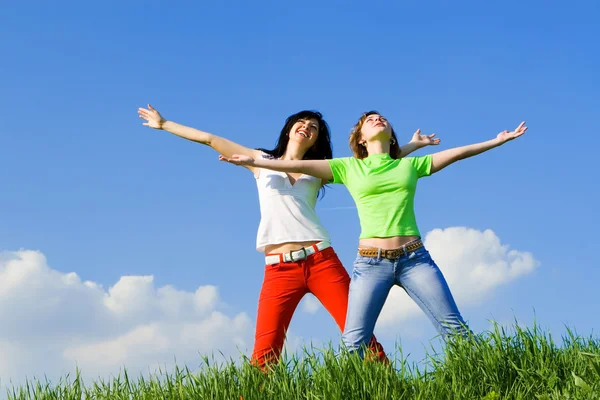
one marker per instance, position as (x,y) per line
(419,253)
(272,267)
(366,261)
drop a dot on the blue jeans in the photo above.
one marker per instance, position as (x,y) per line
(415,272)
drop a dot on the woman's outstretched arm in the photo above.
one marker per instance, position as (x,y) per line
(444,158)
(316,168)
(219,144)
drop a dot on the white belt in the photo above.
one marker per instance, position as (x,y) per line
(296,255)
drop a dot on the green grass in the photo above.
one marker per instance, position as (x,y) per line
(516,364)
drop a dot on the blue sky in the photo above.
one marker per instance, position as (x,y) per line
(98,194)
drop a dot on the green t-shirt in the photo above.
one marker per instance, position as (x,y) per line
(384,191)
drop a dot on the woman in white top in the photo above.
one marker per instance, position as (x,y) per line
(299,258)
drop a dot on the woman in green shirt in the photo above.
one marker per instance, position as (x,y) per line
(390,249)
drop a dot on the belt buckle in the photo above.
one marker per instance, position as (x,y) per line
(299,259)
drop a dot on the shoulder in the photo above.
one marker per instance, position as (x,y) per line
(346,161)
(266,156)
(421,164)
(261,172)
(418,160)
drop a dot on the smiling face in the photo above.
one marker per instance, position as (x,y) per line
(308,134)
(305,132)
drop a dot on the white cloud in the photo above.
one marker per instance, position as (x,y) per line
(473,262)
(310,304)
(52,321)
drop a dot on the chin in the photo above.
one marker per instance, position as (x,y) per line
(302,140)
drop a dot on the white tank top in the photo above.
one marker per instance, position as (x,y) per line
(287,211)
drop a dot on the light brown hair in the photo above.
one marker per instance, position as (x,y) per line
(359,150)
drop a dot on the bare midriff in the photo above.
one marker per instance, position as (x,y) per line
(287,247)
(388,243)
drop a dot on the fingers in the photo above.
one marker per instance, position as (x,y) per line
(521,129)
(149,112)
(417,132)
(519,132)
(234,159)
(433,139)
(227,159)
(148,115)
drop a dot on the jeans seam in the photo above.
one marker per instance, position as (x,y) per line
(424,305)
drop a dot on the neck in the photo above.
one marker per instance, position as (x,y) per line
(293,152)
(378,147)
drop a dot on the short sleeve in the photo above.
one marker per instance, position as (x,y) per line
(339,168)
(421,164)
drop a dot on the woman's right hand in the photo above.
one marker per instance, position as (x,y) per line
(237,159)
(155,120)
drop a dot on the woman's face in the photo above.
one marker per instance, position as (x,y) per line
(373,126)
(305,132)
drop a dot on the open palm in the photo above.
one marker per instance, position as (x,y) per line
(153,117)
(505,136)
(238,159)
(424,140)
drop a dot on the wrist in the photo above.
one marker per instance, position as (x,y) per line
(498,142)
(162,123)
(414,145)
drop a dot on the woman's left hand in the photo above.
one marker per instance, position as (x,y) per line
(424,140)
(506,136)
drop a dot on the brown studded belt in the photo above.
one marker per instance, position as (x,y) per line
(390,254)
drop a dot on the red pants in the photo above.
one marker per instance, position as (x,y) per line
(321,274)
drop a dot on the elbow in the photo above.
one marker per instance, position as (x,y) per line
(207,140)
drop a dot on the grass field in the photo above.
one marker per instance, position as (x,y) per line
(522,363)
